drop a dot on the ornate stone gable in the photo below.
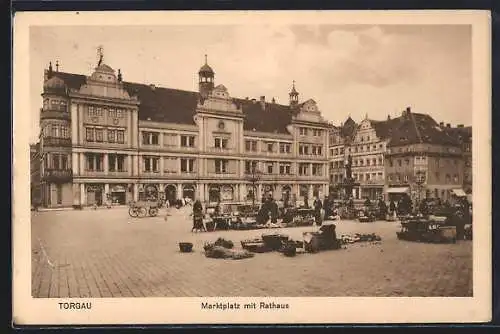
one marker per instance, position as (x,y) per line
(219,101)
(104,83)
(309,112)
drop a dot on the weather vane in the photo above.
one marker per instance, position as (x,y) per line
(100,55)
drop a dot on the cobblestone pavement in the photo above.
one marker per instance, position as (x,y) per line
(106,253)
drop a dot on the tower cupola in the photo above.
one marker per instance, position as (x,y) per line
(206,79)
(294,96)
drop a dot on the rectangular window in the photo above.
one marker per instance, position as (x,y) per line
(90,161)
(251,145)
(285,169)
(303,169)
(270,147)
(111,135)
(89,134)
(270,168)
(316,170)
(187,165)
(120,163)
(99,135)
(150,138)
(187,141)
(64,161)
(112,162)
(221,166)
(250,167)
(120,136)
(406,178)
(99,162)
(399,162)
(285,148)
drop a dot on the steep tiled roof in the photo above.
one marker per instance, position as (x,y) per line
(164,104)
(179,106)
(462,134)
(274,118)
(418,128)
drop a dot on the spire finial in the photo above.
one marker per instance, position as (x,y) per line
(50,66)
(206,59)
(57,65)
(293,84)
(119,75)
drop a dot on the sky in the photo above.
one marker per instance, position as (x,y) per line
(349,70)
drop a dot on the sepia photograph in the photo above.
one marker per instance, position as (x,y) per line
(251,166)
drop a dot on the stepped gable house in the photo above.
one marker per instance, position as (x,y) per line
(103,138)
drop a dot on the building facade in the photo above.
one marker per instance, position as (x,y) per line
(409,154)
(106,139)
(423,158)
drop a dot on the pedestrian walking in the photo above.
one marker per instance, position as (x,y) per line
(317,211)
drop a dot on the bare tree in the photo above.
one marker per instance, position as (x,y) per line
(254,176)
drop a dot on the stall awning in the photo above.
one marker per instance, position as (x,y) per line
(398,190)
(459,192)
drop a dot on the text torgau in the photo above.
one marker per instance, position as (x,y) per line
(75,306)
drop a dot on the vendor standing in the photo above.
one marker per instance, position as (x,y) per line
(274,211)
(317,211)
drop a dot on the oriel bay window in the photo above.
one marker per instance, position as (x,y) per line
(187,165)
(94,162)
(116,162)
(151,164)
(57,161)
(150,138)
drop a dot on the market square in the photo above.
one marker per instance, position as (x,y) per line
(106,253)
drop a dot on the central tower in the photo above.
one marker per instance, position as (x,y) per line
(206,79)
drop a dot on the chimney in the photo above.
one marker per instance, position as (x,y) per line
(448,125)
(441,124)
(246,98)
(408,110)
(460,126)
(152,86)
(254,100)
(263,102)
(388,117)
(273,100)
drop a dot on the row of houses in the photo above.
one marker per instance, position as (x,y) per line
(410,153)
(103,138)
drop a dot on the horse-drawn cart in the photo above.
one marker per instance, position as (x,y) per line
(142,209)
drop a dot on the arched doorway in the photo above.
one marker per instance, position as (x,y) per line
(170,193)
(214,193)
(150,193)
(227,193)
(188,191)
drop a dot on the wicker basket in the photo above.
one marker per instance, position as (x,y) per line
(185,247)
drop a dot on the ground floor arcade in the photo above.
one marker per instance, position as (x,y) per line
(85,193)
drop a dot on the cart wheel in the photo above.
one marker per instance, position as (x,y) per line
(142,212)
(153,212)
(133,212)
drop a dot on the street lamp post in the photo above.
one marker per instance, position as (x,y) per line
(419,181)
